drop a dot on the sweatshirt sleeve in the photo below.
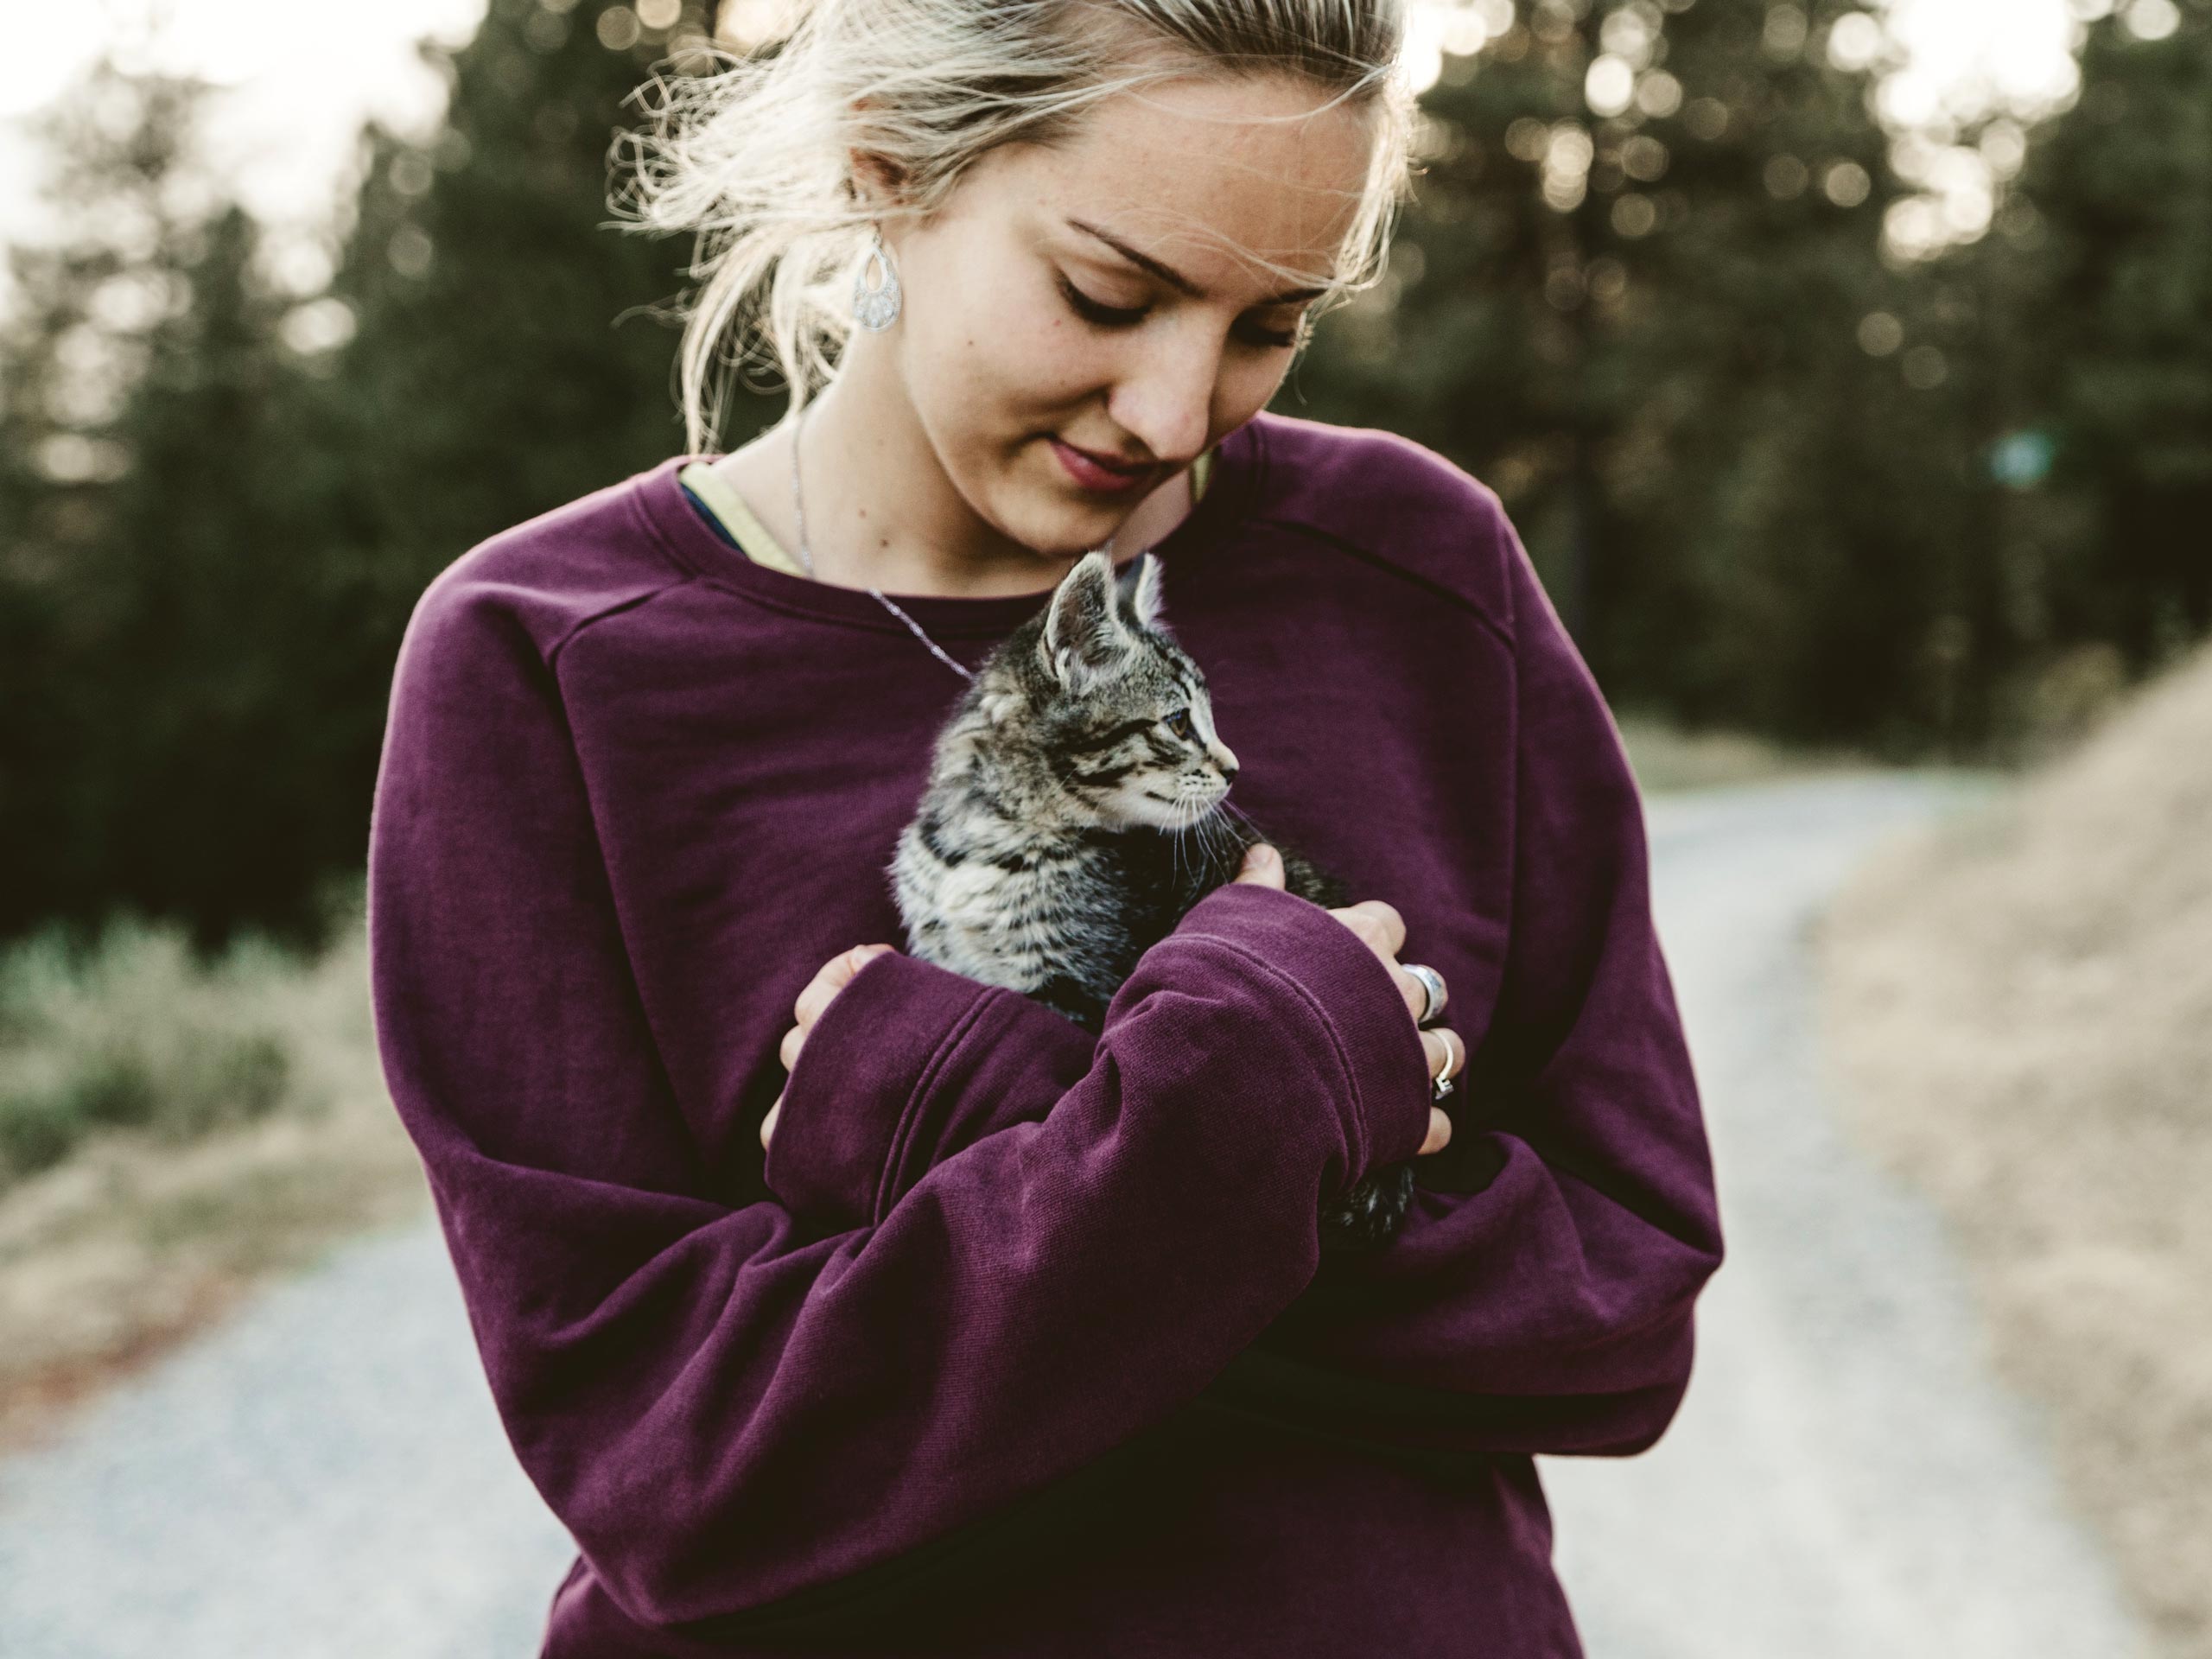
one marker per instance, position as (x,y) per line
(1540,1297)
(732,1417)
(865,1118)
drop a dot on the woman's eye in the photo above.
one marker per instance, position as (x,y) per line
(1274,339)
(1106,316)
(1179,723)
(1103,316)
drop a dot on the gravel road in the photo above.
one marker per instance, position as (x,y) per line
(324,1478)
(1844,1478)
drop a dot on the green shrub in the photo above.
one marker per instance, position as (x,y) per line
(36,1131)
(128,1030)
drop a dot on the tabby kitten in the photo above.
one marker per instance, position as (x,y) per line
(1076,809)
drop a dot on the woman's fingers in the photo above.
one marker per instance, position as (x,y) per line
(836,975)
(1263,867)
(1413,990)
(1376,921)
(1383,930)
(1447,1052)
(1447,1055)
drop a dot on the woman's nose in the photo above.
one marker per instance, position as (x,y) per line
(1167,401)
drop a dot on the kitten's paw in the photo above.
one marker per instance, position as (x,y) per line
(1367,1215)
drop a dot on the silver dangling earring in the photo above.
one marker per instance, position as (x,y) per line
(876,309)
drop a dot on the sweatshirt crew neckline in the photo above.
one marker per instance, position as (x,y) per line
(658,494)
(728,512)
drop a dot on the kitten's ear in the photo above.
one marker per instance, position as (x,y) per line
(1139,586)
(1084,638)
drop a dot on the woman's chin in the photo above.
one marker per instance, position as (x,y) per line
(1063,520)
(1064,535)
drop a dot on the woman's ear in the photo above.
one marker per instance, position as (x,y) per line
(876,183)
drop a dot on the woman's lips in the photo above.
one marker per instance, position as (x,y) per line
(1095,473)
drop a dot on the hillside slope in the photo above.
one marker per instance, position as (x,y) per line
(2019,1009)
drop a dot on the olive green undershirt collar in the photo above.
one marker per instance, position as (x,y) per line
(752,537)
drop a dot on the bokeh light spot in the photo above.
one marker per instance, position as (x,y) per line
(1610,85)
(1923,368)
(1635,215)
(1785,177)
(1847,184)
(1879,334)
(2150,20)
(619,28)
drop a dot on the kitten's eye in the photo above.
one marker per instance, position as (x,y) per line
(1179,723)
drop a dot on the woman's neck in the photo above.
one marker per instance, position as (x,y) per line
(881,512)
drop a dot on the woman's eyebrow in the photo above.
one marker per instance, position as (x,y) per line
(1176,279)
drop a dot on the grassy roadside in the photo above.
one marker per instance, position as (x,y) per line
(171,1137)
(2018,1005)
(1665,757)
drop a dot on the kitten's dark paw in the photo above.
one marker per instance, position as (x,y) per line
(1367,1215)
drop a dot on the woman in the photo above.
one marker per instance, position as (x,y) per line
(1015,1341)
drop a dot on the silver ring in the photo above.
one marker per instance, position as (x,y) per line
(1445,1081)
(1432,985)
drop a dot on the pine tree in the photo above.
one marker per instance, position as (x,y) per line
(206,582)
(104,349)
(2112,355)
(512,350)
(1630,296)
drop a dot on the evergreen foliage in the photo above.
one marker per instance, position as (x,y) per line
(205,585)
(1643,328)
(2108,277)
(1775,478)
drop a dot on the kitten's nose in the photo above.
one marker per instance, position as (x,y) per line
(1224,761)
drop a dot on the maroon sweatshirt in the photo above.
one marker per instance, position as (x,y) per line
(1020,1343)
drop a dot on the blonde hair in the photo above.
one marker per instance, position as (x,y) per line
(751,155)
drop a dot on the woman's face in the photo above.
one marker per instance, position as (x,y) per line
(1105,295)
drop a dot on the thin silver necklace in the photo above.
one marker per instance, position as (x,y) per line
(806,559)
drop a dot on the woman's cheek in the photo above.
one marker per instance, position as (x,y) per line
(1245,393)
(1050,360)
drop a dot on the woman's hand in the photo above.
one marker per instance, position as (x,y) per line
(1378,925)
(836,975)
(1383,932)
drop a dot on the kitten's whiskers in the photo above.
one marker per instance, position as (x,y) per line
(1211,832)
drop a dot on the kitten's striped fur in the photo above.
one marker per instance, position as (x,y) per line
(1076,808)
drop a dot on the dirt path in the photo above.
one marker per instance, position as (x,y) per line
(1845,1478)
(323,1476)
